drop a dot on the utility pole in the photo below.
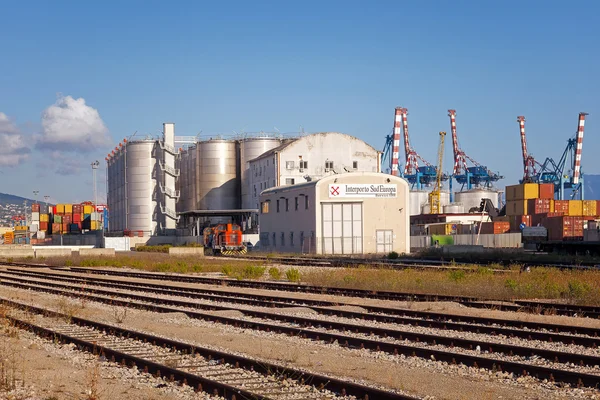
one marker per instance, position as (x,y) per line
(95,166)
(35,193)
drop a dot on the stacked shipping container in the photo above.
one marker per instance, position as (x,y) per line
(533,204)
(66,218)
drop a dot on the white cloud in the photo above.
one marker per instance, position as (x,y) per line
(71,125)
(13,149)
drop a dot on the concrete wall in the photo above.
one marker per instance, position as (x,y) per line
(61,252)
(187,251)
(127,243)
(16,252)
(504,240)
(97,252)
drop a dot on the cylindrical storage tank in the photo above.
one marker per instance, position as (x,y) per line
(140,186)
(444,198)
(426,208)
(217,179)
(472,198)
(416,200)
(250,148)
(454,208)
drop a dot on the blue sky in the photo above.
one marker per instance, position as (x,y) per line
(340,66)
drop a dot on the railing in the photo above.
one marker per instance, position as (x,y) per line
(167,147)
(174,194)
(168,169)
(169,213)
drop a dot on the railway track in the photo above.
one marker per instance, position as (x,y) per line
(518,305)
(215,372)
(498,357)
(492,326)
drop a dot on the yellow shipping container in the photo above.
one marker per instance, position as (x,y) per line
(524,191)
(88,209)
(575,208)
(589,208)
(44,218)
(94,225)
(68,208)
(551,205)
(21,228)
(60,208)
(516,207)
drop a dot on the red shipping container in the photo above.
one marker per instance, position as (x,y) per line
(65,227)
(538,206)
(67,219)
(76,218)
(564,228)
(35,208)
(54,210)
(495,228)
(546,190)
(561,206)
(79,225)
(43,226)
(77,209)
(517,220)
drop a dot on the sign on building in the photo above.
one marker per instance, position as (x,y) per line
(362,190)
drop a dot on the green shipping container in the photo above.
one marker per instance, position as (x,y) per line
(442,240)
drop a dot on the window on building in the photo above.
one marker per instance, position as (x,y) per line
(302,240)
(264,207)
(289,165)
(289,181)
(273,182)
(277,205)
(291,238)
(303,164)
(254,190)
(287,205)
(355,164)
(328,165)
(282,239)
(274,242)
(306,202)
(296,203)
(267,162)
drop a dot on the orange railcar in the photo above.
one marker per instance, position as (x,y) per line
(225,239)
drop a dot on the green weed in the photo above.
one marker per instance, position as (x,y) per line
(292,275)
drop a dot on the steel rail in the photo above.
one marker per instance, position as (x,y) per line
(550,374)
(341,387)
(320,307)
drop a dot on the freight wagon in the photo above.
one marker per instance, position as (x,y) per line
(539,236)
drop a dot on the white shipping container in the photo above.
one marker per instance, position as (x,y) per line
(35,216)
(95,216)
(41,235)
(34,227)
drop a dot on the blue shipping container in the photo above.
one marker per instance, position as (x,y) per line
(105,217)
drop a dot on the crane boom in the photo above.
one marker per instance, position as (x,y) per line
(577,160)
(528,161)
(460,162)
(436,193)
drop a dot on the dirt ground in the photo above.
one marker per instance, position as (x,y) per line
(417,377)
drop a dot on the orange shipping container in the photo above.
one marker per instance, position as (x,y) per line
(495,227)
(561,206)
(538,206)
(35,208)
(56,228)
(546,190)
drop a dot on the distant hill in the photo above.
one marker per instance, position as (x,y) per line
(12,199)
(592,187)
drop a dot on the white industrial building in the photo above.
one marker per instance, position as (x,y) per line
(345,213)
(141,177)
(309,158)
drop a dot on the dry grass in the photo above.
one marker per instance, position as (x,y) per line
(11,360)
(159,262)
(582,287)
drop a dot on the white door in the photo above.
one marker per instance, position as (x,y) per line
(385,240)
(341,228)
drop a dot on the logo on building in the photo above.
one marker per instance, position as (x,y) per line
(363,190)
